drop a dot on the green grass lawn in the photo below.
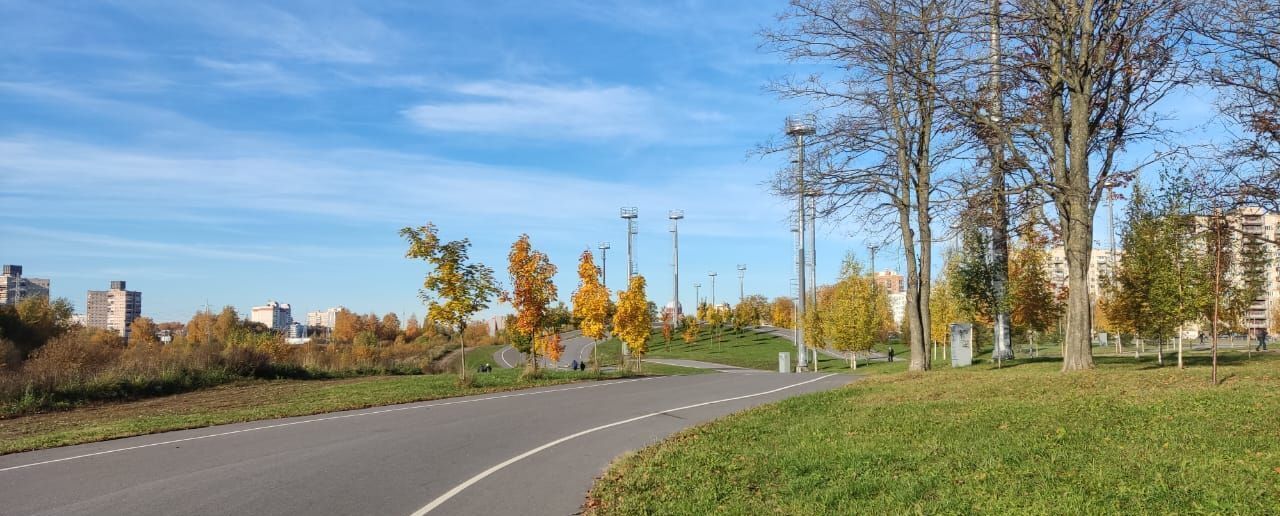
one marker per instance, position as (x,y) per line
(1126,438)
(745,348)
(253,400)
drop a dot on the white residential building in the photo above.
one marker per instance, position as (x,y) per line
(1101,263)
(324,318)
(274,315)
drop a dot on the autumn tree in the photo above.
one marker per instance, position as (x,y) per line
(35,321)
(945,307)
(412,329)
(633,320)
(668,327)
(454,289)
(226,323)
(782,312)
(753,310)
(389,327)
(1033,304)
(591,300)
(531,296)
(142,332)
(855,314)
(200,327)
(689,329)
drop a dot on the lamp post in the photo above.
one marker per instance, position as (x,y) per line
(742,272)
(696,300)
(713,289)
(675,216)
(798,128)
(630,214)
(604,263)
(873,248)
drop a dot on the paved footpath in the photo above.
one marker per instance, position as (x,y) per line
(576,347)
(534,451)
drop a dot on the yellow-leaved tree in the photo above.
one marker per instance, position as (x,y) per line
(944,308)
(532,292)
(856,314)
(689,329)
(783,312)
(591,301)
(632,322)
(454,289)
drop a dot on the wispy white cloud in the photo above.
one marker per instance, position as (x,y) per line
(539,111)
(344,186)
(257,76)
(141,248)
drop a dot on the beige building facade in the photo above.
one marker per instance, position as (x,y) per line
(113,309)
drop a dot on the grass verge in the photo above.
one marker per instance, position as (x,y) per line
(744,348)
(1126,438)
(253,400)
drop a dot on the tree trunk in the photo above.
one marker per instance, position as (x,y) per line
(1077,353)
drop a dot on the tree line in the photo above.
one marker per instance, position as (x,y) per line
(987,111)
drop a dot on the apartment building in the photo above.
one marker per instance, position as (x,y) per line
(889,281)
(277,316)
(1101,265)
(113,309)
(324,318)
(14,287)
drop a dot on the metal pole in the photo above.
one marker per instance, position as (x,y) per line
(742,272)
(675,216)
(811,248)
(630,214)
(713,289)
(697,291)
(799,127)
(604,264)
(873,248)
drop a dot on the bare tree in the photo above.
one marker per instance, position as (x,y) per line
(1237,45)
(885,132)
(1093,70)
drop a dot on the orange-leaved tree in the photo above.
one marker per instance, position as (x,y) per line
(532,292)
(454,289)
(668,326)
(591,301)
(633,320)
(689,329)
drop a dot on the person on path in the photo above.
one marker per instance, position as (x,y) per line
(1262,340)
(575,364)
(891,353)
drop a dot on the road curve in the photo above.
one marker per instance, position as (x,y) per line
(576,347)
(528,452)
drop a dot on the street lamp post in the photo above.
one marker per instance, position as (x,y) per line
(713,289)
(873,248)
(630,214)
(742,272)
(798,128)
(675,216)
(697,291)
(604,263)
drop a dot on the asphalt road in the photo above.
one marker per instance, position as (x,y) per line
(576,347)
(535,451)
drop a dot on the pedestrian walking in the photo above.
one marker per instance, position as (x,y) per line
(891,353)
(575,364)
(1262,340)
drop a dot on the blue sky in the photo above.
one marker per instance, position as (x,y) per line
(234,152)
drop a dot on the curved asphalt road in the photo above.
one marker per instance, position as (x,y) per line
(535,451)
(576,347)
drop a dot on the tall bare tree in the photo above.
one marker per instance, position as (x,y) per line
(1237,45)
(884,132)
(1093,70)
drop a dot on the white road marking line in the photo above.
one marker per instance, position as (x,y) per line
(584,348)
(503,356)
(471,481)
(316,420)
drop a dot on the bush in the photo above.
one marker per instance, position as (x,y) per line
(86,365)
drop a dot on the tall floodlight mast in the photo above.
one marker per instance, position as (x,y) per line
(799,127)
(604,263)
(742,273)
(675,216)
(712,275)
(630,214)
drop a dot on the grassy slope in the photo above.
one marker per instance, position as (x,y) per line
(248,401)
(1026,439)
(743,349)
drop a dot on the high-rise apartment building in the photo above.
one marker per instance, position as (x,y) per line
(14,287)
(324,318)
(274,315)
(1101,263)
(113,309)
(889,281)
